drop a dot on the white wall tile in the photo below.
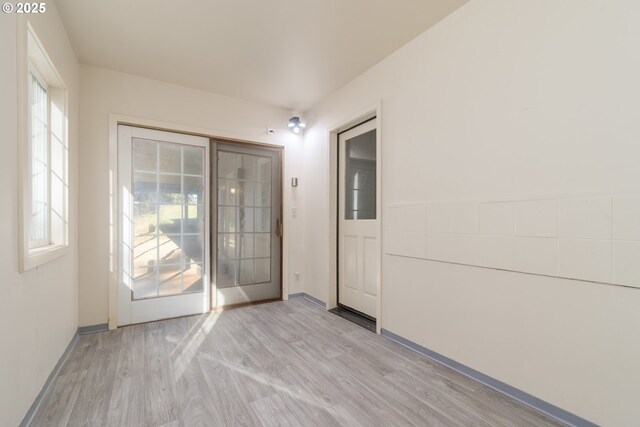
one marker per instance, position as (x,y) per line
(406,218)
(585,259)
(415,218)
(536,255)
(496,251)
(439,247)
(453,248)
(392,243)
(626,263)
(439,218)
(626,218)
(405,243)
(465,218)
(393,219)
(497,219)
(537,218)
(585,218)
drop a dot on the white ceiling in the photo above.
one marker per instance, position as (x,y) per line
(287,53)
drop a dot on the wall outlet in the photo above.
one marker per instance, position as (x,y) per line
(294,212)
(296,276)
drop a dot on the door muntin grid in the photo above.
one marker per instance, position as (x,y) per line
(244,219)
(168,231)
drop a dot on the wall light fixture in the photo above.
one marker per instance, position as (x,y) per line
(295,124)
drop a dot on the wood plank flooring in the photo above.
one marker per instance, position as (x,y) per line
(277,364)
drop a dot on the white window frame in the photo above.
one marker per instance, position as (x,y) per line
(34,60)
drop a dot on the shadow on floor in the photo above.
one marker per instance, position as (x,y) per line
(355,318)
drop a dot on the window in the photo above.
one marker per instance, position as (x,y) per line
(39,161)
(43,151)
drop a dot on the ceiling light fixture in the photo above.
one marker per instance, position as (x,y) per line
(295,124)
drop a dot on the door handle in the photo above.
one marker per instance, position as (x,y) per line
(279,228)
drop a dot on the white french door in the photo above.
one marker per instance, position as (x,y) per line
(163,195)
(358,240)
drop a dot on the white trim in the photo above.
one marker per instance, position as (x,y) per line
(32,58)
(34,70)
(349,121)
(23,143)
(41,60)
(42,255)
(113,224)
(166,136)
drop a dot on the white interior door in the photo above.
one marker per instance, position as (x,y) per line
(358,240)
(163,198)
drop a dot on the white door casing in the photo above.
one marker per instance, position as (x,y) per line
(358,221)
(163,233)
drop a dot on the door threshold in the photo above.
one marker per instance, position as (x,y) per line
(356,318)
(222,308)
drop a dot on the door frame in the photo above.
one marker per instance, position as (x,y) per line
(114,226)
(371,112)
(213,209)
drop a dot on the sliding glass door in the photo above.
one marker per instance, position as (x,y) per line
(249,227)
(166,251)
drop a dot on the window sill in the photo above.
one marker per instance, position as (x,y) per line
(39,256)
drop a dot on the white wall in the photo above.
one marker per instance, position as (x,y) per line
(38,308)
(105,92)
(503,99)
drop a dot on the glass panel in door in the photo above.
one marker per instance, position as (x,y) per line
(247,212)
(168,222)
(360,177)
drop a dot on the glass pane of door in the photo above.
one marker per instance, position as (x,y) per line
(360,177)
(168,218)
(244,219)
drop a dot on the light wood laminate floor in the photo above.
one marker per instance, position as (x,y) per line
(283,363)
